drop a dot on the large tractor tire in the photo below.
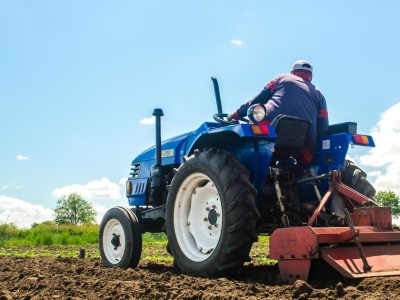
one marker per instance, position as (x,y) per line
(355,178)
(211,215)
(120,238)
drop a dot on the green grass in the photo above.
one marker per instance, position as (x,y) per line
(49,239)
(154,238)
(260,251)
(48,234)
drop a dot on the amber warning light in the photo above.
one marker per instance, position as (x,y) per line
(360,139)
(259,129)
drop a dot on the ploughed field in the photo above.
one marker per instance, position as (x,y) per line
(60,276)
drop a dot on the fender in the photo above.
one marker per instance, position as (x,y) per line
(254,151)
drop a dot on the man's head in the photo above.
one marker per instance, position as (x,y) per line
(303,69)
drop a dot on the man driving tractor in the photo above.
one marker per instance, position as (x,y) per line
(294,95)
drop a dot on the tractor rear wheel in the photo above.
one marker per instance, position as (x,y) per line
(211,214)
(355,178)
(120,238)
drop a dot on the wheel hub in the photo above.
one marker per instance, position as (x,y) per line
(202,213)
(115,241)
(212,217)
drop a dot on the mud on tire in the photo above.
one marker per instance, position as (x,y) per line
(211,214)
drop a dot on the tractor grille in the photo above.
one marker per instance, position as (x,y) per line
(140,188)
(135,169)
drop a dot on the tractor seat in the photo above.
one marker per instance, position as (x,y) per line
(292,134)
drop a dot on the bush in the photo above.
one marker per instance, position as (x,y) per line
(154,238)
(7,231)
(44,239)
(49,233)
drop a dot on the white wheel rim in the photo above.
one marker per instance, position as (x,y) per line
(114,253)
(198,217)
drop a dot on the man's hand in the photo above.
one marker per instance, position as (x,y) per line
(232,116)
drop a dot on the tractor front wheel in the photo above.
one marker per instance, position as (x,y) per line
(211,214)
(120,238)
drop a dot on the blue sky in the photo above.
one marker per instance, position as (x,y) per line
(79,79)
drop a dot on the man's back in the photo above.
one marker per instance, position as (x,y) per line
(294,95)
(298,97)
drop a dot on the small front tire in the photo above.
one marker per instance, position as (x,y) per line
(120,238)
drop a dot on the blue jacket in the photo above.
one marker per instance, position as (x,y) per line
(294,96)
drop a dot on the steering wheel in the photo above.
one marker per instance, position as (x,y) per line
(222,118)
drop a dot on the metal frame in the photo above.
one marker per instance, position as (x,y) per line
(369,247)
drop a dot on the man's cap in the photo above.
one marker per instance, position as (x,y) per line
(302,65)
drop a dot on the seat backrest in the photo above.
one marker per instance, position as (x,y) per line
(292,134)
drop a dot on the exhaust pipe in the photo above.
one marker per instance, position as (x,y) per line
(157,171)
(217,95)
(158,113)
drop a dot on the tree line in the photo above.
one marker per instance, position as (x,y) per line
(74,209)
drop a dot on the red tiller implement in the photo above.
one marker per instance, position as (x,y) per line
(369,246)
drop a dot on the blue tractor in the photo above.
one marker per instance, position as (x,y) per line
(213,190)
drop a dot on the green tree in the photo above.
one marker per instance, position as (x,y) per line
(389,198)
(73,209)
(48,222)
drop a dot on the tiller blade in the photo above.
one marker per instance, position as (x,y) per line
(369,246)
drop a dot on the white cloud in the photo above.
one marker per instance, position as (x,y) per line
(385,156)
(22,213)
(374,174)
(123,180)
(148,121)
(4,187)
(237,43)
(101,211)
(349,157)
(22,157)
(96,189)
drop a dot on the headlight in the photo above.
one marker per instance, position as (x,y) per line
(256,113)
(128,188)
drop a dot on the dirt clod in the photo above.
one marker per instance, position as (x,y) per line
(300,288)
(339,289)
(76,278)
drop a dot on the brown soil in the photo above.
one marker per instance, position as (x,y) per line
(65,277)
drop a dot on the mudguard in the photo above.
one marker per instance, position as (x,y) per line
(253,150)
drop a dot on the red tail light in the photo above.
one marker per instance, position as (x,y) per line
(360,139)
(259,129)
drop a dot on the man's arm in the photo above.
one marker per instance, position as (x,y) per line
(261,98)
(322,120)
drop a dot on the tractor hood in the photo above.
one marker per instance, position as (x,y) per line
(171,150)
